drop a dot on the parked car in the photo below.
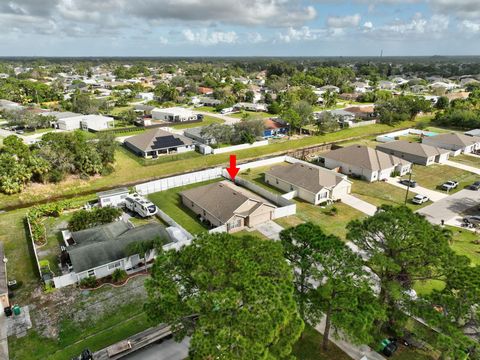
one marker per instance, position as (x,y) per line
(475,186)
(409,183)
(449,185)
(474,220)
(419,199)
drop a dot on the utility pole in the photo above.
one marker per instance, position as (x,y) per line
(409,182)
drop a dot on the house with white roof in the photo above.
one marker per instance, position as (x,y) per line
(173,114)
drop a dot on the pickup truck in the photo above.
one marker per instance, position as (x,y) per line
(449,185)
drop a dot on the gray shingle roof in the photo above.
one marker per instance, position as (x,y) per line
(156,139)
(107,243)
(413,148)
(311,178)
(364,157)
(454,139)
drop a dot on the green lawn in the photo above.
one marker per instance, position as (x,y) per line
(170,202)
(128,171)
(467,160)
(379,193)
(207,120)
(433,176)
(130,133)
(309,347)
(117,110)
(464,244)
(252,114)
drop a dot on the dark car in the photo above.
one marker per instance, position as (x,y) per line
(475,186)
(409,183)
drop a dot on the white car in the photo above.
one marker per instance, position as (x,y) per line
(419,199)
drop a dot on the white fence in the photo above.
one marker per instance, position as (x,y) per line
(391,136)
(177,181)
(240,147)
(362,123)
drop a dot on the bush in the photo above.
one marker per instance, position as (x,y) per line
(333,211)
(84,219)
(119,275)
(89,282)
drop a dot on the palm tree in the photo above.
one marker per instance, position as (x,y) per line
(143,248)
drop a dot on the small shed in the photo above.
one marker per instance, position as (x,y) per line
(114,197)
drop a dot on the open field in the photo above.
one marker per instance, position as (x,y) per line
(433,176)
(170,202)
(467,160)
(379,193)
(464,244)
(128,171)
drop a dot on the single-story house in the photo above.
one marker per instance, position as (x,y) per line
(4,302)
(196,134)
(274,128)
(365,162)
(69,121)
(224,203)
(250,106)
(144,109)
(112,197)
(415,152)
(455,142)
(96,122)
(208,101)
(312,183)
(386,85)
(153,143)
(147,96)
(100,250)
(173,114)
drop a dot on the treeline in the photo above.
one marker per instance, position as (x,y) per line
(461,113)
(265,291)
(246,131)
(26,92)
(53,158)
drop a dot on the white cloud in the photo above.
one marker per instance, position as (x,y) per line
(343,21)
(417,27)
(368,25)
(255,37)
(301,34)
(469,27)
(204,37)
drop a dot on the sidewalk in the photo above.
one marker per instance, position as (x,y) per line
(359,204)
(463,167)
(432,194)
(356,352)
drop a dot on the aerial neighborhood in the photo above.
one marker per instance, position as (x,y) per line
(299,207)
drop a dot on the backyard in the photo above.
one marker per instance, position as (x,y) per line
(170,202)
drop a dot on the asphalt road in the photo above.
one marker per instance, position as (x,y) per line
(167,350)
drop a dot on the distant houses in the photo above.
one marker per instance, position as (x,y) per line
(69,121)
(311,183)
(365,162)
(157,142)
(455,142)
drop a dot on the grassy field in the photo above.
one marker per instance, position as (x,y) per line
(128,170)
(252,114)
(309,347)
(463,244)
(467,160)
(170,202)
(379,193)
(117,110)
(433,176)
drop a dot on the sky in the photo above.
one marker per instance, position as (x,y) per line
(239,27)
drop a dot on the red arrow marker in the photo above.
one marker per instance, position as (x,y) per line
(233,170)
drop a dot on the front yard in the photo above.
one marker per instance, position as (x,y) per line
(207,120)
(433,176)
(380,193)
(467,160)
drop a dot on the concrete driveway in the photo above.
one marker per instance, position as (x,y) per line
(468,168)
(270,229)
(451,207)
(359,204)
(432,194)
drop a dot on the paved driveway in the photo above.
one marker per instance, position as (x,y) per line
(449,208)
(270,229)
(432,194)
(359,204)
(468,168)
